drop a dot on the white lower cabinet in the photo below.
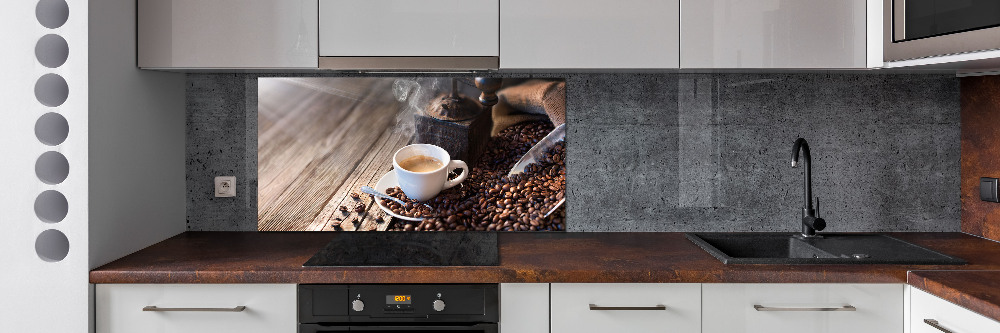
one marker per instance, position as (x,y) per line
(802,308)
(930,314)
(626,307)
(196,308)
(570,308)
(524,308)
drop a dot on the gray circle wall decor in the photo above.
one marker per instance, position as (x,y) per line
(52,13)
(52,167)
(51,90)
(51,129)
(52,245)
(51,206)
(51,51)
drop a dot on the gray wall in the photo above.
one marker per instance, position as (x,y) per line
(683,152)
(135,127)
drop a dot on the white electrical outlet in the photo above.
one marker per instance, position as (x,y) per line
(225,186)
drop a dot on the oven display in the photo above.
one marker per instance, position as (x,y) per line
(397,299)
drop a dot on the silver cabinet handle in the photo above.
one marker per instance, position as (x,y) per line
(935,324)
(233,309)
(630,308)
(759,307)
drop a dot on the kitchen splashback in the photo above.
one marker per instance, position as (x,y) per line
(326,144)
(681,152)
(980,113)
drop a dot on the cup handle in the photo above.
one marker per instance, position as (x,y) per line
(456,164)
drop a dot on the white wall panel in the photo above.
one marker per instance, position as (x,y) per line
(39,295)
(123,125)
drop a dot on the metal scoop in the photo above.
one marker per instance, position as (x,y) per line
(558,134)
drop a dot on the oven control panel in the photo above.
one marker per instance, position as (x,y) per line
(398,303)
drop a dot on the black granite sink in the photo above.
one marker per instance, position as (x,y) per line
(786,248)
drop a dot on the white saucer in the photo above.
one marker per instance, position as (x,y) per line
(389,181)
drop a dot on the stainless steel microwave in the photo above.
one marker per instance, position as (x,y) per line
(928,28)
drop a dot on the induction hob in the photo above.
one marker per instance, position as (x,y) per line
(415,248)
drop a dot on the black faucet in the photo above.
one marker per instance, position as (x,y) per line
(810,222)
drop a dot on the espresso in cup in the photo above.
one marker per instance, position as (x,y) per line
(422,170)
(421,163)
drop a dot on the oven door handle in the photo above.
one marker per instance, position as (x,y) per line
(416,327)
(400,327)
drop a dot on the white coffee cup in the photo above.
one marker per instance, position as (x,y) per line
(422,186)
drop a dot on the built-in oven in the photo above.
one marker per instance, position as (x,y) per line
(465,308)
(927,28)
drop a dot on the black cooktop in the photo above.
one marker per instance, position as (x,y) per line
(416,248)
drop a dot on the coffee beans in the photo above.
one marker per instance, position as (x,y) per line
(490,200)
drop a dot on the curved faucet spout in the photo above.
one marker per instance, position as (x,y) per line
(803,146)
(810,222)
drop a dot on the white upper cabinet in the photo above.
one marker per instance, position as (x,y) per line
(409,28)
(779,33)
(509,34)
(227,34)
(589,34)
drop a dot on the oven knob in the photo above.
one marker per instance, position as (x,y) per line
(438,305)
(358,305)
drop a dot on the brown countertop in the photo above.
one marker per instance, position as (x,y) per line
(253,257)
(978,291)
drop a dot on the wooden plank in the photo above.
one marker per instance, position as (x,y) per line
(368,172)
(276,99)
(313,147)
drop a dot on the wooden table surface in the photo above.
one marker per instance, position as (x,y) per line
(319,140)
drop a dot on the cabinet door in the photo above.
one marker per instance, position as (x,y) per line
(524,308)
(802,308)
(589,34)
(227,34)
(626,307)
(773,34)
(951,317)
(268,308)
(409,28)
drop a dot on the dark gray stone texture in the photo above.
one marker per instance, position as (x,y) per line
(221,141)
(683,152)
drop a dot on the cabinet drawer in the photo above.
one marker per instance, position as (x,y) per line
(948,315)
(268,308)
(633,308)
(729,308)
